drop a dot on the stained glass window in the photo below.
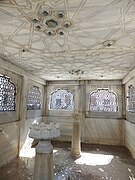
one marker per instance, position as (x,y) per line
(131,98)
(34,98)
(62,99)
(7,94)
(103,100)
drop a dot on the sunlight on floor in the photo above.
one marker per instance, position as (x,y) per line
(131,178)
(132,175)
(55,150)
(26,150)
(94,159)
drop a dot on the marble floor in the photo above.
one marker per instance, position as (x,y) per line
(97,162)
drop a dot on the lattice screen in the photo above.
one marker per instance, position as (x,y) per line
(7,94)
(131,98)
(103,100)
(34,98)
(62,99)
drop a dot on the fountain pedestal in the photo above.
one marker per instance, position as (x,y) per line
(43,169)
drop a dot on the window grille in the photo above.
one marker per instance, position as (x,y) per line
(131,98)
(7,94)
(103,100)
(62,99)
(34,98)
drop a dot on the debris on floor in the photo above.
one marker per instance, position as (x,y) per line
(97,162)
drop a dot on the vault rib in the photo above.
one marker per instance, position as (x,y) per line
(52,42)
(60,45)
(133,45)
(44,42)
(17,30)
(30,36)
(77,39)
(29,4)
(122,19)
(66,8)
(97,12)
(79,8)
(132,2)
(65,48)
(89,34)
(7,13)
(109,35)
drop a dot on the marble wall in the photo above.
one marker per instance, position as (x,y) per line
(130,136)
(29,116)
(130,117)
(97,128)
(14,125)
(103,131)
(9,126)
(9,139)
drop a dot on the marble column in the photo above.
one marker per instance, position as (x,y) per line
(79,118)
(76,147)
(43,169)
(82,109)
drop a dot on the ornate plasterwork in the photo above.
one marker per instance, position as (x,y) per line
(99,41)
(50,22)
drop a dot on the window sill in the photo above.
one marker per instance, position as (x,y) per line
(8,117)
(106,115)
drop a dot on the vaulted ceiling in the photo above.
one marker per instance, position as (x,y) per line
(69,39)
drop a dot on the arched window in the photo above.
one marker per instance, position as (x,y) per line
(34,98)
(103,100)
(62,99)
(7,94)
(131,98)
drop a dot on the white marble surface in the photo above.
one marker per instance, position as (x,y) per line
(93,130)
(9,137)
(130,117)
(130,137)
(102,131)
(43,131)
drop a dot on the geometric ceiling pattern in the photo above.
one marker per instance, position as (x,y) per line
(97,43)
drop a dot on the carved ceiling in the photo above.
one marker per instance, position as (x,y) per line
(69,39)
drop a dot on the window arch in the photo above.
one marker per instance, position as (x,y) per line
(34,98)
(103,100)
(62,99)
(7,94)
(131,98)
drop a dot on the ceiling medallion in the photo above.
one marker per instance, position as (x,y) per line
(51,22)
(50,32)
(76,72)
(45,13)
(60,14)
